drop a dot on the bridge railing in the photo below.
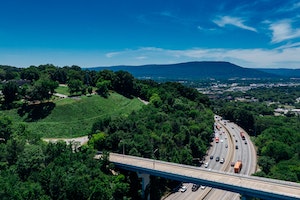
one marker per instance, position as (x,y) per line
(288,183)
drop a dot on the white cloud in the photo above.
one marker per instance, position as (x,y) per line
(234,21)
(112,54)
(283,30)
(141,57)
(289,45)
(284,57)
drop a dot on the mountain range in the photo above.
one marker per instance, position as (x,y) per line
(200,70)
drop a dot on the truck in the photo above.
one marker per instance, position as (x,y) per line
(237,166)
(242,135)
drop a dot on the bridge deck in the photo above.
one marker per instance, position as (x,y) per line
(249,185)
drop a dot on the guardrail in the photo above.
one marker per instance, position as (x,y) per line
(215,179)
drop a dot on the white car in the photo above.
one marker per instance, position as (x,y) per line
(206,165)
(183,189)
(202,187)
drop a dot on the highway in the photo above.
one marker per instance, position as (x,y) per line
(229,135)
(245,152)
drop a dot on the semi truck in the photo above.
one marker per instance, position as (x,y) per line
(238,166)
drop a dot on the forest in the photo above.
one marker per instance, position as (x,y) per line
(177,122)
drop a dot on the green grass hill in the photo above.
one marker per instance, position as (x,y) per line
(72,117)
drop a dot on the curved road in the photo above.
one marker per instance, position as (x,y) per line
(229,135)
(245,152)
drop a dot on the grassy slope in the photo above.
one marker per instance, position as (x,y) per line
(74,117)
(62,89)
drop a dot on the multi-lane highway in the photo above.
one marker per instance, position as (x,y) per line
(242,150)
(229,137)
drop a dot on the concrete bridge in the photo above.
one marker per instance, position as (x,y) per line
(246,185)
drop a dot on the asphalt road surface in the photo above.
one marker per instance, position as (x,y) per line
(229,137)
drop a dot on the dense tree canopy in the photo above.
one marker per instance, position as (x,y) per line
(180,128)
(10,92)
(31,73)
(36,170)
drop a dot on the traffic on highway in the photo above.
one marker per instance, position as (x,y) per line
(231,151)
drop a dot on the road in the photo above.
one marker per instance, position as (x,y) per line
(229,135)
(245,152)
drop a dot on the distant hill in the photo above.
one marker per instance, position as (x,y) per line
(191,71)
(290,73)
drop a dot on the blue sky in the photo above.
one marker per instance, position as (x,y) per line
(88,33)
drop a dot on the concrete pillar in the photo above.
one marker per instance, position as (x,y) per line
(145,182)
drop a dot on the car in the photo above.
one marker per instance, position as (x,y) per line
(226,145)
(183,188)
(235,140)
(217,159)
(222,160)
(232,127)
(236,147)
(232,164)
(195,187)
(221,141)
(245,142)
(211,157)
(202,187)
(206,164)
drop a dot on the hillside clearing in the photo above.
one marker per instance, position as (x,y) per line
(72,117)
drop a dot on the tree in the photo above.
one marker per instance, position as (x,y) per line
(102,88)
(75,73)
(10,92)
(266,163)
(123,83)
(43,89)
(2,74)
(75,86)
(5,128)
(107,75)
(32,73)
(59,75)
(31,160)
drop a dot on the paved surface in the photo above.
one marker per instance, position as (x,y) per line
(81,140)
(227,180)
